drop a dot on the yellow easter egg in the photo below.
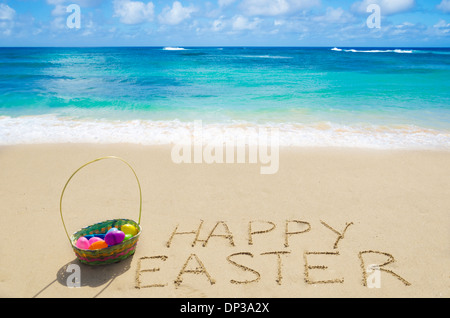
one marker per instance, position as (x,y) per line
(129,229)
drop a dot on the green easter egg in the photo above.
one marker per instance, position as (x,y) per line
(127,237)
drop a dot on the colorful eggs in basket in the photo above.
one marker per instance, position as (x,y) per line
(94,239)
(112,229)
(98,245)
(83,243)
(129,229)
(114,237)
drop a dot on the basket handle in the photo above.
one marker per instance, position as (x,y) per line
(95,160)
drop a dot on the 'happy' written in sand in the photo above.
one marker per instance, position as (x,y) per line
(314,267)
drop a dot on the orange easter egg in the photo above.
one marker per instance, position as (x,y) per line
(98,245)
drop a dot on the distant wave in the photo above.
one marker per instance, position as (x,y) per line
(54,129)
(171,48)
(267,56)
(373,51)
(410,51)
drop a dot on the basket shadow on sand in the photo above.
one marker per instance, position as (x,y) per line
(91,276)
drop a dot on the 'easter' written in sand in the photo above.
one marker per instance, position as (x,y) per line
(315,263)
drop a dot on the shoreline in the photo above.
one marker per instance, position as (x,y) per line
(52,129)
(305,231)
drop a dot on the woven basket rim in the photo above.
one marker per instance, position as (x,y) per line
(135,237)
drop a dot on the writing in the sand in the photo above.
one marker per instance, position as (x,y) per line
(314,263)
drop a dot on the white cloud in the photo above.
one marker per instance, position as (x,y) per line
(133,12)
(225,3)
(59,23)
(278,22)
(7,15)
(4,29)
(59,9)
(90,27)
(407,30)
(332,15)
(444,6)
(241,23)
(276,7)
(176,14)
(6,12)
(388,7)
(442,24)
(442,28)
(218,24)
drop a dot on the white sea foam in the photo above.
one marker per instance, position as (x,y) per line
(170,48)
(267,56)
(379,51)
(374,51)
(403,51)
(53,129)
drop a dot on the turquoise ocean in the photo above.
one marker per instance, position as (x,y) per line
(381,98)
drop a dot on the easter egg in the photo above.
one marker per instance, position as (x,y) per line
(129,229)
(112,229)
(83,243)
(114,237)
(98,245)
(127,237)
(94,239)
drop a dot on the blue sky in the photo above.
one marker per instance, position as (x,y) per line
(225,23)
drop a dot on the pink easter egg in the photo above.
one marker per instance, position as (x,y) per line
(83,243)
(94,239)
(114,237)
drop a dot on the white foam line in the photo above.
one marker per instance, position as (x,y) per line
(169,48)
(374,51)
(267,56)
(52,129)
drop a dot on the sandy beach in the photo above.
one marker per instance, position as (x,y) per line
(225,230)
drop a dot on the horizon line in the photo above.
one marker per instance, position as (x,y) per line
(226,46)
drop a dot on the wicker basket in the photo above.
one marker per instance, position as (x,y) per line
(111,254)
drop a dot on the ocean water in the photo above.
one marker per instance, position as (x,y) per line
(343,97)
